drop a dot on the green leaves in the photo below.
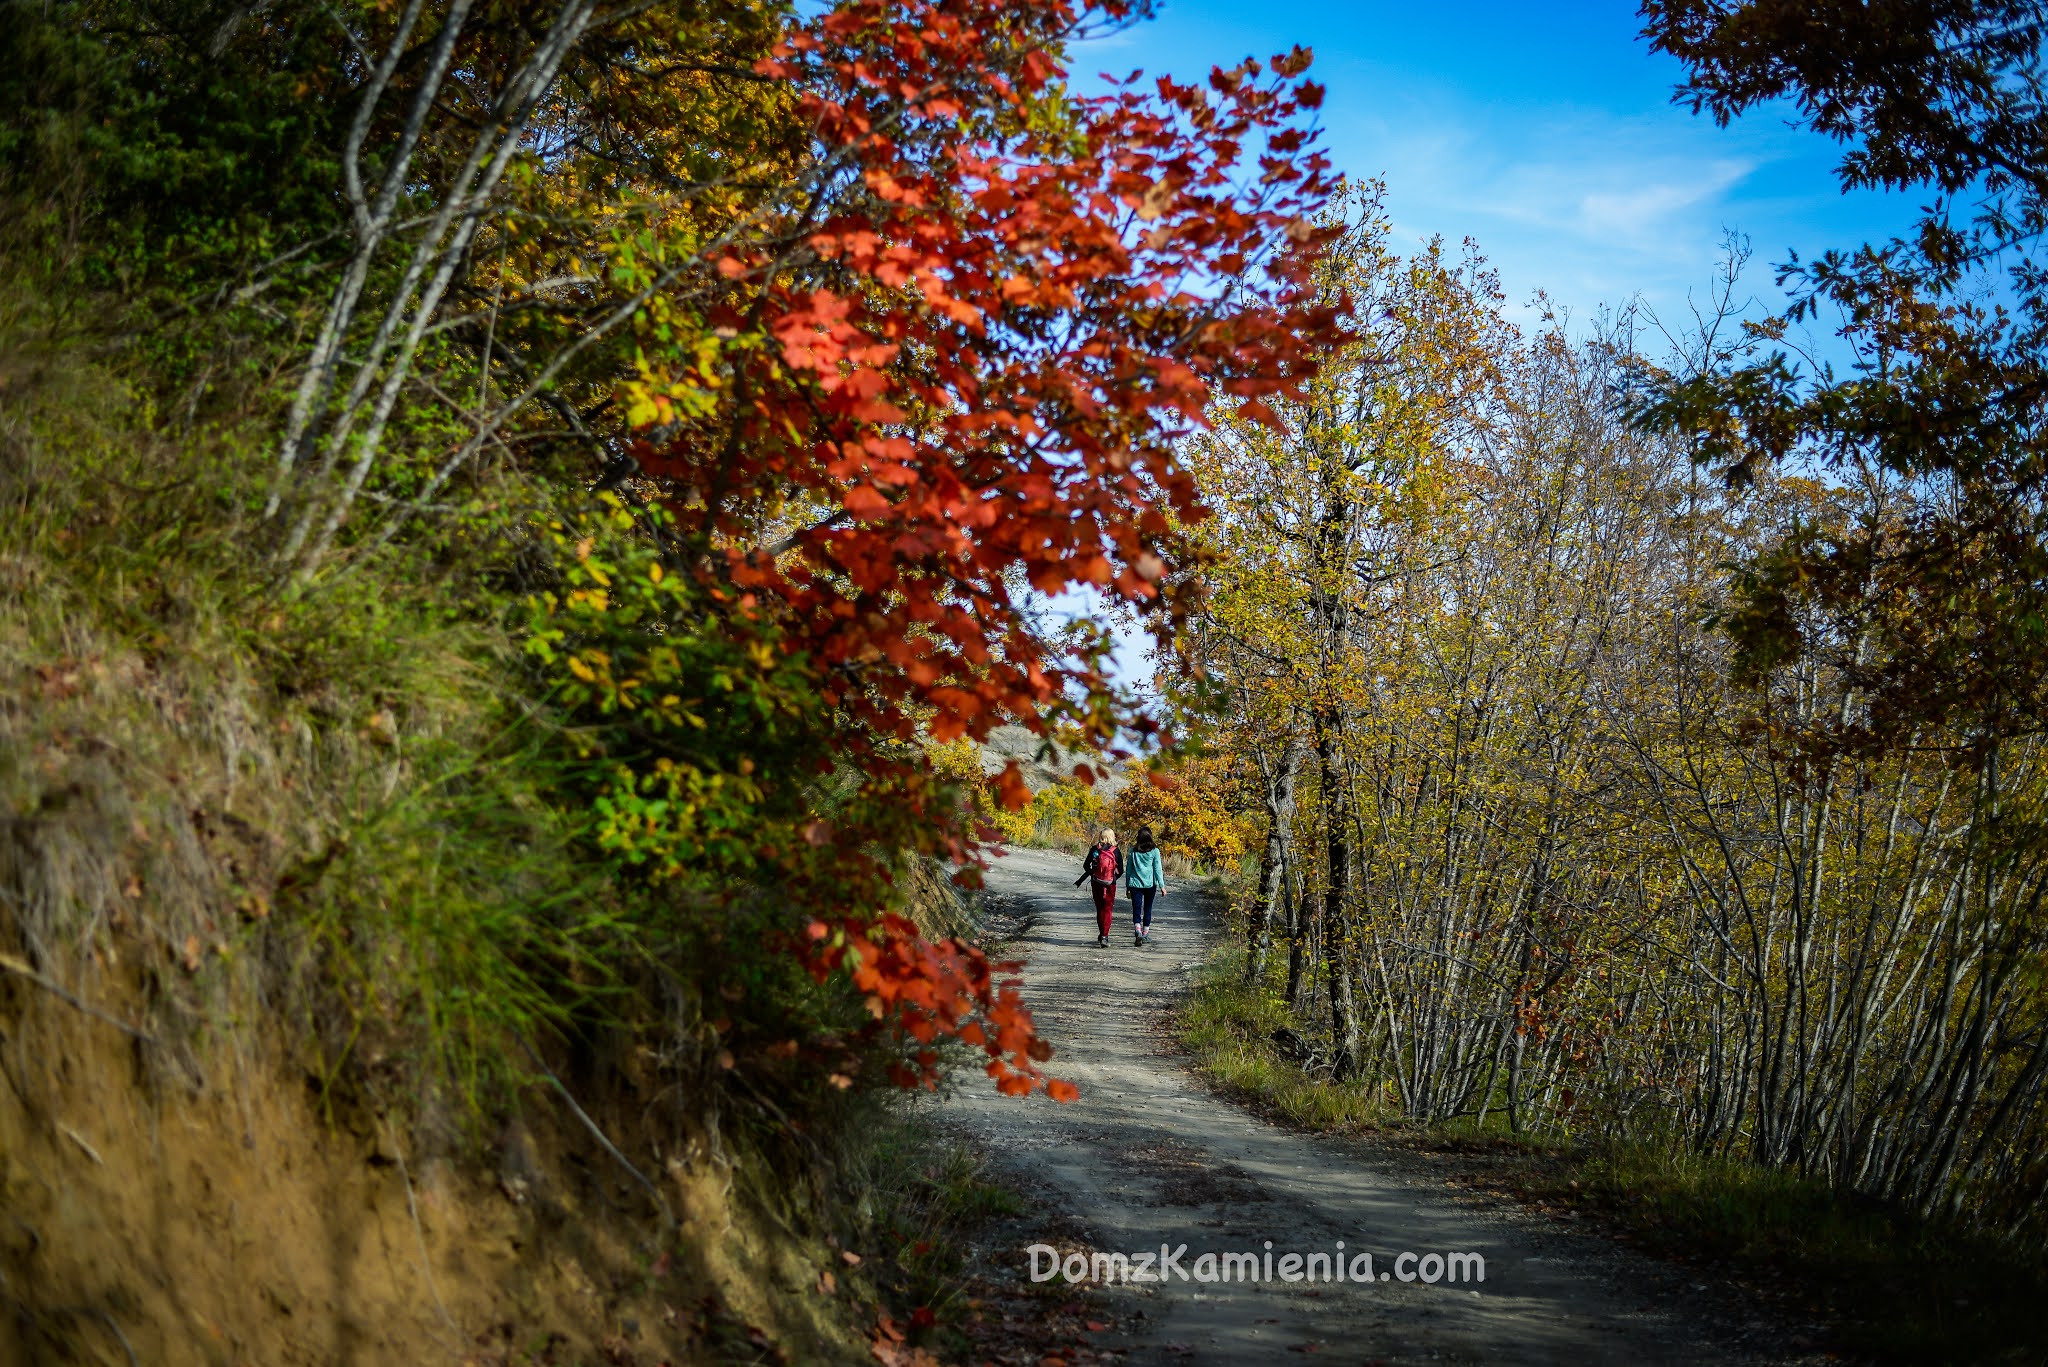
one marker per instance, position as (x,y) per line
(692,728)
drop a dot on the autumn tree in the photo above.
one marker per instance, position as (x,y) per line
(751,366)
(1899,616)
(865,322)
(1935,608)
(1315,496)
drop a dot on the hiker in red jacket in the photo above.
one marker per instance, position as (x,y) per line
(1100,868)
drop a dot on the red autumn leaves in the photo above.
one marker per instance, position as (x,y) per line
(931,989)
(957,361)
(984,333)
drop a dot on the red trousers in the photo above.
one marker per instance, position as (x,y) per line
(1105,904)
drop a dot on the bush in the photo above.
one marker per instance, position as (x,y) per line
(1064,816)
(1189,813)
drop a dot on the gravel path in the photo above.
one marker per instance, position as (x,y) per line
(1147,1156)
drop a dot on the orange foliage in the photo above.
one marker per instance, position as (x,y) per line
(930,989)
(970,356)
(975,360)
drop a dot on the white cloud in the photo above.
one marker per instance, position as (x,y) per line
(1591,207)
(1643,216)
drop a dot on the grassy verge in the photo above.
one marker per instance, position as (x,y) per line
(934,1242)
(915,1203)
(1887,1285)
(1229,1027)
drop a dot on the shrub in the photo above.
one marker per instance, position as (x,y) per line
(1064,815)
(1187,811)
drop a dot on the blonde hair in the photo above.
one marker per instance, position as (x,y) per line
(1108,837)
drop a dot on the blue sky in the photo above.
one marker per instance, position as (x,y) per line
(1544,131)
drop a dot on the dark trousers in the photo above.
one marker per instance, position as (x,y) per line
(1105,904)
(1141,906)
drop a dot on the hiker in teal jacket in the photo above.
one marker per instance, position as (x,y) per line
(1143,878)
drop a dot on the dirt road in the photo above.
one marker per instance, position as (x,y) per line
(1148,1157)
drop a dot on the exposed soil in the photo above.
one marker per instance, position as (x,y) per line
(214,1216)
(1148,1157)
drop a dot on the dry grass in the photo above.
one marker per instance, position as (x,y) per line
(234,802)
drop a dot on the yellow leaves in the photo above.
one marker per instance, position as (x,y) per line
(645,408)
(1188,810)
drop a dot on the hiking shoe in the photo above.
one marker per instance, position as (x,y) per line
(1102,942)
(1137,940)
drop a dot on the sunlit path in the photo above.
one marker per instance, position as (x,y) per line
(1148,1157)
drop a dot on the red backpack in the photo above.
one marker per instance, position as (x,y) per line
(1105,864)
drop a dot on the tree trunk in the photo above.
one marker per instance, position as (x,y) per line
(1297,934)
(1336,896)
(1279,785)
